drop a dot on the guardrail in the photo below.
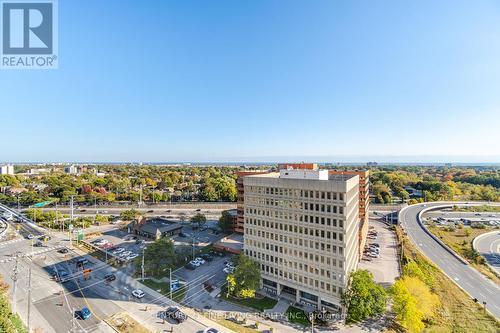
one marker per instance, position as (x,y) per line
(439,241)
(441,206)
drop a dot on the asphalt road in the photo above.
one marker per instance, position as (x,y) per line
(473,282)
(489,247)
(55,306)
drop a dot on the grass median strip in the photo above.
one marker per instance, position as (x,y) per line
(460,241)
(164,289)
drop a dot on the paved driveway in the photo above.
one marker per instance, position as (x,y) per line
(385,269)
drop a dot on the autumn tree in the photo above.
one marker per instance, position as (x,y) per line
(413,302)
(363,298)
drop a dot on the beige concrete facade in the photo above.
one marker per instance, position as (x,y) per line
(303,232)
(364,202)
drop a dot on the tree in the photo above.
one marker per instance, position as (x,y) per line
(413,302)
(199,218)
(363,298)
(130,214)
(246,277)
(158,257)
(226,221)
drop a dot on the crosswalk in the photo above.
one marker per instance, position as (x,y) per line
(31,254)
(15,240)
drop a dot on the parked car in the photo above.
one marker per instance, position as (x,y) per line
(118,250)
(63,250)
(228,270)
(190,266)
(125,254)
(38,244)
(195,263)
(132,256)
(30,236)
(200,260)
(85,313)
(206,257)
(138,293)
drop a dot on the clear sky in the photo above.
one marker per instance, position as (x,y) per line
(261,80)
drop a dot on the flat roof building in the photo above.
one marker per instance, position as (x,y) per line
(7,169)
(301,226)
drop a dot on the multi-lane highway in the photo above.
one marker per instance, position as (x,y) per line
(488,245)
(474,283)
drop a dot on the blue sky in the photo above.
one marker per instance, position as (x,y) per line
(261,80)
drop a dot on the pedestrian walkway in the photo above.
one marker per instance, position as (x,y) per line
(280,307)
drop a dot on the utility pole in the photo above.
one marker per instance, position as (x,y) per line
(142,266)
(311,317)
(170,279)
(29,299)
(71,204)
(14,288)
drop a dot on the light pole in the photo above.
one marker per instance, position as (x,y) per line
(142,265)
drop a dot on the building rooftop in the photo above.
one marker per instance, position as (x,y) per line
(154,224)
(305,174)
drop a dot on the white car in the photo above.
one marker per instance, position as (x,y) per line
(228,270)
(30,236)
(125,254)
(138,293)
(132,256)
(195,263)
(200,260)
(118,250)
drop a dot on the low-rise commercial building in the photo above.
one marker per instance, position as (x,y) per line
(155,228)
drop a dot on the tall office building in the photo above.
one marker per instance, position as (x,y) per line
(364,202)
(302,226)
(7,169)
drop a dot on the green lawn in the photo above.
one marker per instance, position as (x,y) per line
(259,303)
(164,289)
(232,325)
(297,316)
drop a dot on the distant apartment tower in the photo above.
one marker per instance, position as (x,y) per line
(302,226)
(364,202)
(72,169)
(240,197)
(7,169)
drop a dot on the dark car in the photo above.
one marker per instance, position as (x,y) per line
(206,257)
(151,211)
(110,277)
(190,266)
(176,314)
(38,244)
(63,250)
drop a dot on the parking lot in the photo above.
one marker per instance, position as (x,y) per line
(118,243)
(204,281)
(385,266)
